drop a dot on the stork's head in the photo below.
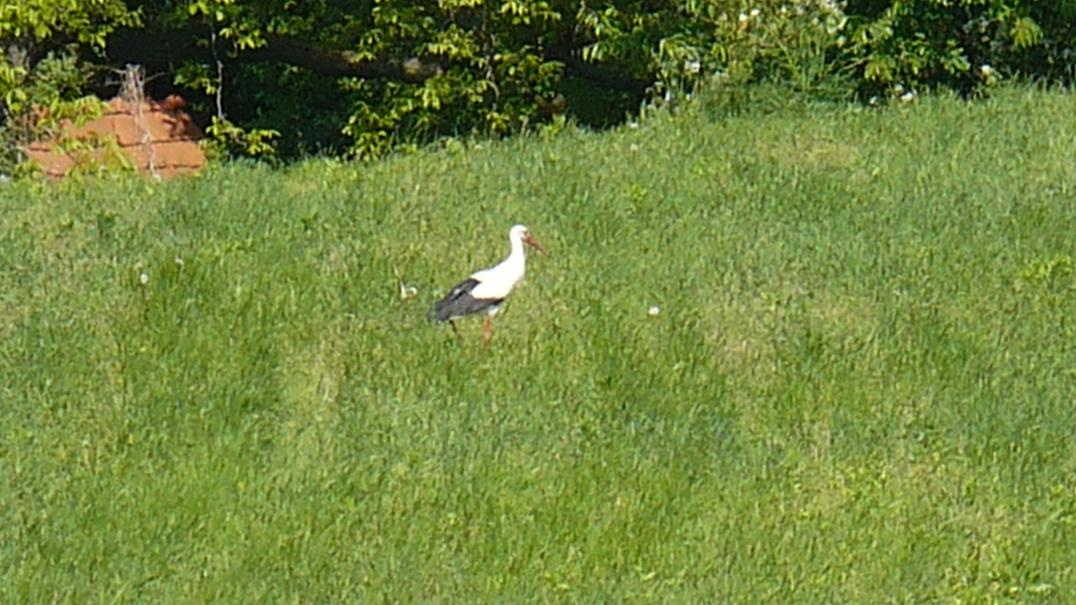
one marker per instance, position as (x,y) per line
(522,234)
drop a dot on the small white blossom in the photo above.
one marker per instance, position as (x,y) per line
(907,97)
(179,261)
(143,278)
(829,7)
(654,311)
(743,17)
(692,66)
(407,291)
(755,12)
(986,70)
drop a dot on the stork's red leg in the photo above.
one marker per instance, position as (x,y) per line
(487,331)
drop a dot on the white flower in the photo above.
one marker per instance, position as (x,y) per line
(179,261)
(407,291)
(986,70)
(692,66)
(654,311)
(755,12)
(743,17)
(143,278)
(907,97)
(829,7)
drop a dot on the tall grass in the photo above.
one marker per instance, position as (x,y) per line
(858,385)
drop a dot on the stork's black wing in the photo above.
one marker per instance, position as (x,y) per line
(459,302)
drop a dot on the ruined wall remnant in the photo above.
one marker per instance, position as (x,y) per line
(157,138)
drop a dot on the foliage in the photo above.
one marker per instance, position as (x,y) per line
(256,142)
(495,73)
(963,45)
(856,384)
(489,55)
(31,24)
(726,43)
(833,49)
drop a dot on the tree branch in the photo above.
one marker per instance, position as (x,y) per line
(163,50)
(334,62)
(596,74)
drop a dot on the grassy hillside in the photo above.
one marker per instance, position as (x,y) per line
(860,386)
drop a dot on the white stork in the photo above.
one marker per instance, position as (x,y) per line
(485,290)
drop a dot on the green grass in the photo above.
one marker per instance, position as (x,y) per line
(859,388)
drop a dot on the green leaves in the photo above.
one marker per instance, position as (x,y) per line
(939,43)
(38,20)
(1026,33)
(11,87)
(253,142)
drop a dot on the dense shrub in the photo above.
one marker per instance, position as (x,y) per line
(962,44)
(802,44)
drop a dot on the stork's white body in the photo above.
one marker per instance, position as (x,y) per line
(498,282)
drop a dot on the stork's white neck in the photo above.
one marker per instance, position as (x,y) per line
(517,247)
(517,258)
(497,282)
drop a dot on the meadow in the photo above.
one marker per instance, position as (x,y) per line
(823,354)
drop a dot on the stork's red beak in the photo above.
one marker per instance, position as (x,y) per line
(533,242)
